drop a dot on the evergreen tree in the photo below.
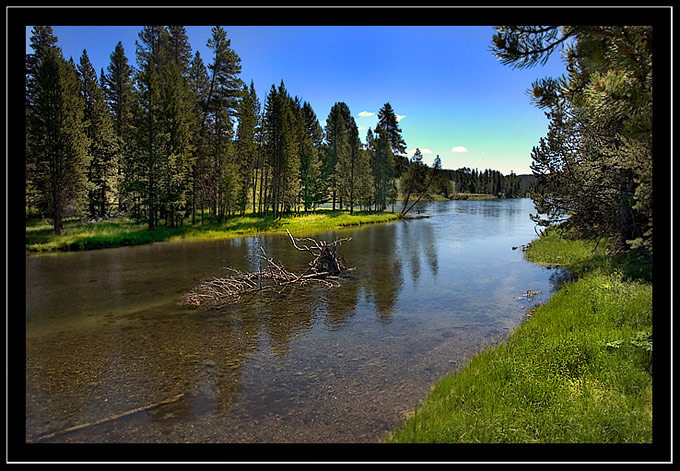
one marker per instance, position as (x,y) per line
(200,84)
(41,38)
(151,140)
(178,116)
(281,150)
(179,49)
(103,149)
(348,160)
(246,145)
(387,121)
(364,184)
(310,161)
(595,164)
(222,103)
(56,128)
(337,148)
(118,92)
(383,169)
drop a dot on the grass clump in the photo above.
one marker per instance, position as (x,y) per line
(579,371)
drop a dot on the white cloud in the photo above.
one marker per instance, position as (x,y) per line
(364,114)
(458,149)
(400,117)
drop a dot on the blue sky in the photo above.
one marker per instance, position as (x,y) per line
(454,97)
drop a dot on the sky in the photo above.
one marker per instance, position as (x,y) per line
(452,95)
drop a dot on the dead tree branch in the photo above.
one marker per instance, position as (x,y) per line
(324,270)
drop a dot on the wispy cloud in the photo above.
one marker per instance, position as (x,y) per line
(364,114)
(458,149)
(400,117)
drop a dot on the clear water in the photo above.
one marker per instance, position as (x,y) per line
(105,334)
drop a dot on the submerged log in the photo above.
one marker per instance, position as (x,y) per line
(416,216)
(108,419)
(324,269)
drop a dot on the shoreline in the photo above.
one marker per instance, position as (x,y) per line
(578,370)
(115,233)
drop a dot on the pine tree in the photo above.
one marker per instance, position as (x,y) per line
(221,106)
(177,123)
(595,163)
(246,146)
(281,151)
(56,128)
(118,93)
(179,49)
(387,121)
(348,159)
(364,184)
(41,38)
(200,86)
(151,138)
(103,149)
(310,161)
(383,170)
(337,148)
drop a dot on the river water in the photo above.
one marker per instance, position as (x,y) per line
(106,336)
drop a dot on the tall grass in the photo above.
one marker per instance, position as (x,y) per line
(579,371)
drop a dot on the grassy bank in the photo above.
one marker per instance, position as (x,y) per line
(78,235)
(578,371)
(472,196)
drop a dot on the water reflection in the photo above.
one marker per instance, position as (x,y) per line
(105,334)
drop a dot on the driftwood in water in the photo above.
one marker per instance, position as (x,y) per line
(108,419)
(324,269)
(416,215)
(524,247)
(326,260)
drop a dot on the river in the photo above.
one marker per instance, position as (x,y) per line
(111,357)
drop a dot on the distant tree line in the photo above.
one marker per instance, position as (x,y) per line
(490,182)
(594,166)
(172,138)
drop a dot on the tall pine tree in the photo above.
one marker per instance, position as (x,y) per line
(103,148)
(595,164)
(118,93)
(59,144)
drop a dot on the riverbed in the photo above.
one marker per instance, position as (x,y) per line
(112,356)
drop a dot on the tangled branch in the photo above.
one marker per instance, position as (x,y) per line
(323,270)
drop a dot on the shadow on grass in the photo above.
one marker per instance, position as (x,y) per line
(582,256)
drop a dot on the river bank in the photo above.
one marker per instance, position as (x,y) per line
(120,232)
(579,370)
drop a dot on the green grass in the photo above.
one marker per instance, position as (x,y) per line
(78,235)
(578,371)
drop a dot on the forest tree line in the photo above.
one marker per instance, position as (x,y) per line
(173,137)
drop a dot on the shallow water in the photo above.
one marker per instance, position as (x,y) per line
(105,334)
